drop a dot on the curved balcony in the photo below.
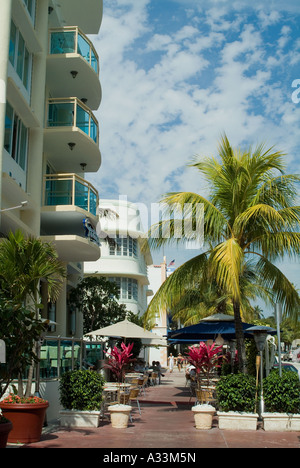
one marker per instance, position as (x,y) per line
(68,216)
(73,66)
(70,190)
(71,136)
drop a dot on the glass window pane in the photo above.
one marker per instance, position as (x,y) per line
(81,195)
(20,59)
(8,128)
(58,192)
(66,355)
(61,114)
(93,202)
(30,4)
(83,48)
(26,68)
(83,119)
(23,133)
(12,43)
(62,42)
(94,130)
(94,61)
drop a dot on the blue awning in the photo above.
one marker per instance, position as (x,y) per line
(209,328)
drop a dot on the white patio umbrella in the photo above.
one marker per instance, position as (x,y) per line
(125,329)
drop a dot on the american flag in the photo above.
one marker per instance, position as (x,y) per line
(171,263)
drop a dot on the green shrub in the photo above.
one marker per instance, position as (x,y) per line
(282,394)
(81,390)
(236,392)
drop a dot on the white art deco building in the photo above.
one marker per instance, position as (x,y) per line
(49,135)
(49,90)
(122,260)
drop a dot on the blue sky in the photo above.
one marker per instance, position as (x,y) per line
(176,74)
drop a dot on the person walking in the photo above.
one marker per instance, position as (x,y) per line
(171,363)
(179,361)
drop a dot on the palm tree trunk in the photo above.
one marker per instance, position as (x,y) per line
(239,333)
(28,391)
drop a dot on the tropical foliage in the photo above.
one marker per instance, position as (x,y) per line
(250,218)
(205,358)
(282,393)
(81,390)
(25,262)
(237,392)
(95,297)
(118,359)
(20,330)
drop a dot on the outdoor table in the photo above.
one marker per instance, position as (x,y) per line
(116,385)
(130,377)
(134,374)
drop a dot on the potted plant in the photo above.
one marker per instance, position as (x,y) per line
(81,398)
(117,362)
(205,359)
(20,330)
(236,397)
(24,262)
(5,428)
(27,415)
(282,401)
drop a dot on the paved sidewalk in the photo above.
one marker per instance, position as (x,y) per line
(166,422)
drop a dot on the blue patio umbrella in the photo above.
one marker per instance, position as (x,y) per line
(208,329)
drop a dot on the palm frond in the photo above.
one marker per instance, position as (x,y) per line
(183,278)
(284,291)
(226,263)
(278,245)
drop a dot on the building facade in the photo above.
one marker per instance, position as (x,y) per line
(157,275)
(49,136)
(122,259)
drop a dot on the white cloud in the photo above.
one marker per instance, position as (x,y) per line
(168,96)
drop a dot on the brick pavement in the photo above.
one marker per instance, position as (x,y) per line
(166,422)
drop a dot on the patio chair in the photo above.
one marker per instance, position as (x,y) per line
(205,395)
(145,383)
(133,396)
(153,378)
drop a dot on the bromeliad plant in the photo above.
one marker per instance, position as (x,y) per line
(205,358)
(119,358)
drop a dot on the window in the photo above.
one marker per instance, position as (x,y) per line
(127,287)
(19,56)
(124,246)
(30,5)
(16,137)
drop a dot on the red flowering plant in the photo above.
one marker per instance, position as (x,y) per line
(12,399)
(205,358)
(119,358)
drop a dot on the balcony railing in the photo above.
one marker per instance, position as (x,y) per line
(72,40)
(70,189)
(71,112)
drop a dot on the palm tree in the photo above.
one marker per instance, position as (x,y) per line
(207,298)
(24,263)
(249,213)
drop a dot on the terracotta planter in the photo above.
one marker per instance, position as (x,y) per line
(5,429)
(27,420)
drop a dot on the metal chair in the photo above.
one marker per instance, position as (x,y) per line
(205,395)
(133,396)
(153,377)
